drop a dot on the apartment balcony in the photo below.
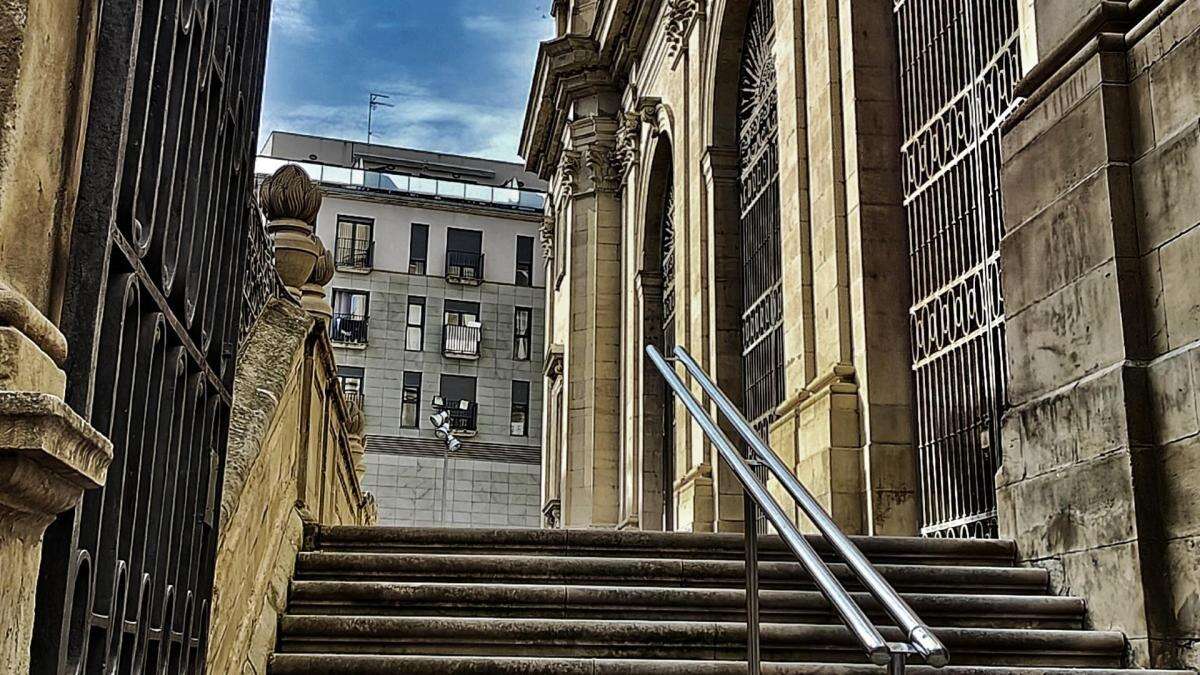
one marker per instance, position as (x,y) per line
(462,341)
(464,415)
(354,255)
(464,267)
(349,329)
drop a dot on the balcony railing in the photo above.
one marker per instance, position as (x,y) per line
(349,329)
(355,398)
(355,254)
(525,200)
(463,414)
(461,341)
(464,267)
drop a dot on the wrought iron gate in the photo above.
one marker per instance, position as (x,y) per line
(959,63)
(762,289)
(169,265)
(667,240)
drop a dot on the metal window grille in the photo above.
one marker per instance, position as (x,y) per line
(762,293)
(959,63)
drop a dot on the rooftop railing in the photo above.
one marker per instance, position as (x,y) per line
(398,183)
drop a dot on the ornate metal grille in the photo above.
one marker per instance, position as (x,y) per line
(668,343)
(762,294)
(170,265)
(959,64)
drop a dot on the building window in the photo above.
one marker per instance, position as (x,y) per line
(414,334)
(418,249)
(351,378)
(355,244)
(519,422)
(462,334)
(524,275)
(522,333)
(410,401)
(350,316)
(464,256)
(457,397)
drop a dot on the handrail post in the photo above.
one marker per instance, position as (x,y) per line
(753,647)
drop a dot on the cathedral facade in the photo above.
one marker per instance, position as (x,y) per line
(936,252)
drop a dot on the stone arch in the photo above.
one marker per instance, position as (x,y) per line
(656,457)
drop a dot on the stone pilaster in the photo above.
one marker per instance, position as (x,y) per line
(1102,242)
(590,490)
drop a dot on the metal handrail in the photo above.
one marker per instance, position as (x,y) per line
(881,652)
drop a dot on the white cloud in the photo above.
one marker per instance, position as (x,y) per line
(293,18)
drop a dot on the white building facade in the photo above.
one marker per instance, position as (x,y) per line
(438,303)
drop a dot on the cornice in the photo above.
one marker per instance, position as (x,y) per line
(566,66)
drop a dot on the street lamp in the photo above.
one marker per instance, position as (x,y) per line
(441,427)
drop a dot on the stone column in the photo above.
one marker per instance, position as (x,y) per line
(48,454)
(1100,182)
(355,425)
(590,493)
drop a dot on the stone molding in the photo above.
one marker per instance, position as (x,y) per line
(628,137)
(567,67)
(17,311)
(546,231)
(48,456)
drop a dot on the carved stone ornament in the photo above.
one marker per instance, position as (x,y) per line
(568,169)
(603,167)
(291,202)
(289,194)
(629,139)
(546,232)
(680,16)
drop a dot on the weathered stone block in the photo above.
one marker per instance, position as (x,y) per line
(1175,88)
(1110,579)
(1076,331)
(1173,398)
(1082,507)
(1076,233)
(1164,189)
(1179,259)
(1179,492)
(1183,568)
(1071,149)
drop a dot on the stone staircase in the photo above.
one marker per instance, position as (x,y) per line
(416,601)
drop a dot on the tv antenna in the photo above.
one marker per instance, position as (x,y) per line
(376,101)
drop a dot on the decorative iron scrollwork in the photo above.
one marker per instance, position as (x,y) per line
(958,69)
(170,266)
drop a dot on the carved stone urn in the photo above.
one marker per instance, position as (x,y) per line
(291,201)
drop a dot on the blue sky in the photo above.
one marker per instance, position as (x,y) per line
(458,71)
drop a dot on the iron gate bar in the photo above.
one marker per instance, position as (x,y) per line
(760,237)
(959,63)
(169,266)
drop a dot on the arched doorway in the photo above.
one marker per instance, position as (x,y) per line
(758,198)
(657,290)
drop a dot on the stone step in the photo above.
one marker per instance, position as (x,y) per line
(639,544)
(500,569)
(664,604)
(674,640)
(375,664)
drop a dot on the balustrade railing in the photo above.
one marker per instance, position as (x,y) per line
(464,267)
(354,253)
(526,200)
(461,341)
(349,328)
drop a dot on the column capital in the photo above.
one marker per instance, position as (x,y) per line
(719,165)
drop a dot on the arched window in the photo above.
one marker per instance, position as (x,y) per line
(758,163)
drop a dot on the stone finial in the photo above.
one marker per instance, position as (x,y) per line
(290,202)
(289,194)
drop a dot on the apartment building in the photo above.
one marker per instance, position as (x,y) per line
(438,304)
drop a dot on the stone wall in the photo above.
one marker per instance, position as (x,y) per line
(1101,177)
(289,466)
